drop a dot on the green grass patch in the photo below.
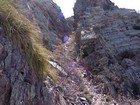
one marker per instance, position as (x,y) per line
(26,36)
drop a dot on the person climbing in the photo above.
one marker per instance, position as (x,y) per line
(65,39)
(61,14)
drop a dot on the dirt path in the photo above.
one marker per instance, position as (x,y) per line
(74,81)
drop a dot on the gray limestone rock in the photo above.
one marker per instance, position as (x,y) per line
(114,52)
(19,84)
(49,17)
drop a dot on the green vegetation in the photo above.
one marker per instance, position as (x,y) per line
(26,37)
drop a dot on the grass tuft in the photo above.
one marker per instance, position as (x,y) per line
(26,37)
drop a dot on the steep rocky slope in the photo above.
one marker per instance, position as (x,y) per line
(19,84)
(23,58)
(108,41)
(48,17)
(98,65)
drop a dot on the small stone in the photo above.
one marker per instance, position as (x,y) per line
(82,32)
(83,99)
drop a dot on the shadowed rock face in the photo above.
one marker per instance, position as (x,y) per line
(70,21)
(110,43)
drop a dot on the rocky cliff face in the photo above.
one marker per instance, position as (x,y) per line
(19,83)
(48,16)
(108,41)
(81,7)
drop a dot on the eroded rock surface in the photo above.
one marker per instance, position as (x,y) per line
(18,82)
(48,16)
(108,42)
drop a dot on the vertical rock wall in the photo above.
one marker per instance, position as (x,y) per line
(109,43)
